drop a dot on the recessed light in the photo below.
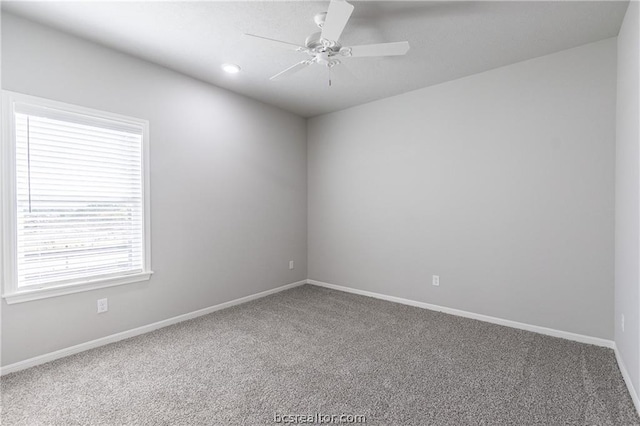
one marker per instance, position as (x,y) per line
(231,68)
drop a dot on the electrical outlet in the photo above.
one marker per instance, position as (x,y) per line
(103,305)
(291,264)
(622,322)
(435,280)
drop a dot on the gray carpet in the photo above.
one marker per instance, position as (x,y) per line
(312,350)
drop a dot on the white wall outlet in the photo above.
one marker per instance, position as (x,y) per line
(622,322)
(103,305)
(291,264)
(435,280)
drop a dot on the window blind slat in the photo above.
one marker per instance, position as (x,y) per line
(66,173)
(76,261)
(42,266)
(55,165)
(71,198)
(33,248)
(71,238)
(67,156)
(79,132)
(54,187)
(85,219)
(49,144)
(66,141)
(53,206)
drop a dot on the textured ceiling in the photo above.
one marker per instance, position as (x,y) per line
(448,40)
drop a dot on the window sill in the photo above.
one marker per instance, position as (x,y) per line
(43,293)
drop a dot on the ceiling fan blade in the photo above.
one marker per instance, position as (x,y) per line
(337,16)
(382,49)
(276,43)
(291,70)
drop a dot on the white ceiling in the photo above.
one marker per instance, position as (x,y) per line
(448,40)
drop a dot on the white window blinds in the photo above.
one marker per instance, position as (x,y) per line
(79,197)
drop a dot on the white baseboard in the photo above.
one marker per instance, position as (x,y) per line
(508,323)
(627,379)
(41,359)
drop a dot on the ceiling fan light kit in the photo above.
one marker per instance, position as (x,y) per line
(324,47)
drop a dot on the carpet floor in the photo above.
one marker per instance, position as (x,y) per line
(311,350)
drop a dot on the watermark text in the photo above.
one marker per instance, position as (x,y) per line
(319,418)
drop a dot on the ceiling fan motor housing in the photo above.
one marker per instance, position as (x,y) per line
(316,43)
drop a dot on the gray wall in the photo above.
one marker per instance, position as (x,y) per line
(228,189)
(502,183)
(627,234)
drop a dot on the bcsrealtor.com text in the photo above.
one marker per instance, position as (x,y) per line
(319,418)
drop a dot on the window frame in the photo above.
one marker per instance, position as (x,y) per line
(8,211)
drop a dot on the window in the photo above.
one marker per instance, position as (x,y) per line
(75,199)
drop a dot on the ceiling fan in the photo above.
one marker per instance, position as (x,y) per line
(324,47)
